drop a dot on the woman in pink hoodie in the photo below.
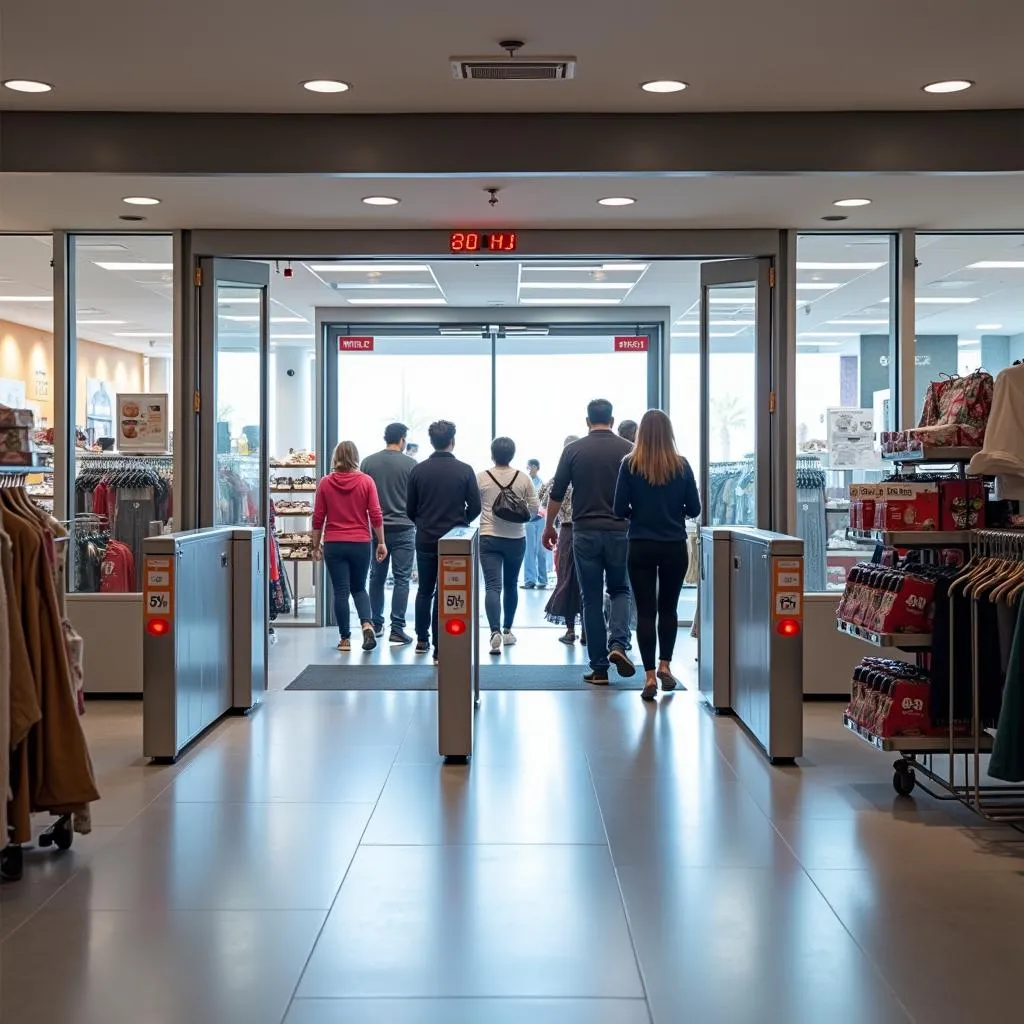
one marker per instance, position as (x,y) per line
(345,510)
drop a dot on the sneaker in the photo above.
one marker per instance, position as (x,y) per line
(528,586)
(422,646)
(496,642)
(568,638)
(599,677)
(345,645)
(369,638)
(623,665)
(668,681)
(378,631)
(508,638)
(399,636)
(650,691)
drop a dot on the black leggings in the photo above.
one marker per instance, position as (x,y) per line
(656,571)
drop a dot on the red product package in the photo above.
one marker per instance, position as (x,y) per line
(908,607)
(962,505)
(907,505)
(905,709)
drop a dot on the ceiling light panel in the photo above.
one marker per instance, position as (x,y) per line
(559,301)
(579,285)
(370,268)
(818,286)
(396,302)
(143,334)
(26,298)
(27,85)
(325,85)
(804,265)
(953,85)
(348,286)
(664,85)
(988,327)
(997,265)
(133,266)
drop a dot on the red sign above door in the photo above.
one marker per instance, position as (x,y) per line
(348,344)
(632,343)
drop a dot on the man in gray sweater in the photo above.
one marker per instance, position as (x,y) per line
(390,468)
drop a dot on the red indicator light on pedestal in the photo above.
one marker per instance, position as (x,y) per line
(788,627)
(456,627)
(158,627)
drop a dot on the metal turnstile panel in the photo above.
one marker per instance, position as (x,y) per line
(458,641)
(249,593)
(766,608)
(713,668)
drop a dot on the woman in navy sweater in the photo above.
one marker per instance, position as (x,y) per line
(656,491)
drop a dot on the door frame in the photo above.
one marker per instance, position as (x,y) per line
(758,272)
(214,272)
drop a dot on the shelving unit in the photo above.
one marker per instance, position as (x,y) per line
(933,455)
(307,492)
(913,538)
(902,641)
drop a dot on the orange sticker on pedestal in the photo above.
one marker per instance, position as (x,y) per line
(787,588)
(158,587)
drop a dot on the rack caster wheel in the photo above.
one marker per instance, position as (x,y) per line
(904,780)
(59,834)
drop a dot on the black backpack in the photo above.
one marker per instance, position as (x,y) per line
(508,505)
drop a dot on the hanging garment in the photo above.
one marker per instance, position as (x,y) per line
(1002,455)
(5,707)
(1007,762)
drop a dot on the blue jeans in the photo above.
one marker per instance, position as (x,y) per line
(601,565)
(401,550)
(426,595)
(347,565)
(536,571)
(501,559)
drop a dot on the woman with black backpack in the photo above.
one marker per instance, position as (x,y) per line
(509,502)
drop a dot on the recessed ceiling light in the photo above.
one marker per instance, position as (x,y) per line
(134,266)
(818,286)
(397,302)
(292,337)
(27,85)
(111,323)
(577,285)
(555,300)
(835,217)
(944,300)
(326,85)
(988,327)
(623,266)
(819,344)
(132,217)
(801,265)
(953,85)
(969,341)
(369,268)
(381,201)
(866,323)
(829,334)
(141,201)
(350,286)
(616,201)
(26,298)
(664,85)
(852,202)
(142,334)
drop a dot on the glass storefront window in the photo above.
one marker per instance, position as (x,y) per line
(121,351)
(26,346)
(968,313)
(845,331)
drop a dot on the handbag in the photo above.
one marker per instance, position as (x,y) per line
(508,505)
(956,411)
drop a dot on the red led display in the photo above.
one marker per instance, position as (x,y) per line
(482,241)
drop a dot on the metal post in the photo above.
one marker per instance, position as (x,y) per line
(903,364)
(458,642)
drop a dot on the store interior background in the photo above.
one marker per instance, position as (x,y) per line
(969,314)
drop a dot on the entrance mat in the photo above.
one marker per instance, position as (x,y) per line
(424,677)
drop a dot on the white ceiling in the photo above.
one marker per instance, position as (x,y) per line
(93,202)
(251,55)
(837,295)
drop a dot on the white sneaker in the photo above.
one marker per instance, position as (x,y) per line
(495,643)
(508,638)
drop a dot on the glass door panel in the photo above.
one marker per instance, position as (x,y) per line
(735,356)
(234,318)
(544,382)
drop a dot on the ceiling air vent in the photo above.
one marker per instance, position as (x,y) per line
(513,68)
(509,69)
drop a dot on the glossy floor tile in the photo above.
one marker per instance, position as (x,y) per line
(600,861)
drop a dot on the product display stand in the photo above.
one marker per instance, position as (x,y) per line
(951,759)
(283,485)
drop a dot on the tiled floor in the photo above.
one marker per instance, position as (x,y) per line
(600,862)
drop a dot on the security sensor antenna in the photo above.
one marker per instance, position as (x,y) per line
(511,46)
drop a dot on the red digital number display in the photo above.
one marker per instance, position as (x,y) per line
(481,241)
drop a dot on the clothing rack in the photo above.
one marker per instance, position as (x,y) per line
(983,695)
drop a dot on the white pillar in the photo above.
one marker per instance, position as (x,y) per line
(291,420)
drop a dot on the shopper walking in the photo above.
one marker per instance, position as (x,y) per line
(442,495)
(389,469)
(656,491)
(536,565)
(508,502)
(565,604)
(345,510)
(627,431)
(590,466)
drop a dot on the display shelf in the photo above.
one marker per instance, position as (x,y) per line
(293,490)
(904,641)
(919,744)
(293,515)
(913,538)
(929,454)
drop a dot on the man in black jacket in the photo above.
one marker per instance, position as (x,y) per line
(443,494)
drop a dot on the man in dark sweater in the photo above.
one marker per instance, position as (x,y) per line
(390,469)
(591,466)
(442,495)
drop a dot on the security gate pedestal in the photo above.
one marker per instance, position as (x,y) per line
(458,642)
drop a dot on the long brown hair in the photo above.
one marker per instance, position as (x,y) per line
(345,458)
(655,456)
